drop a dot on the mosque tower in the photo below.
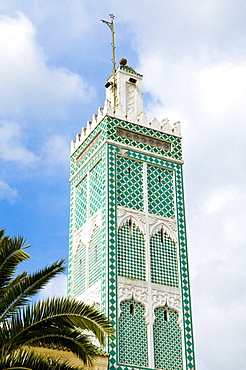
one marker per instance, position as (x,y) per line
(128,251)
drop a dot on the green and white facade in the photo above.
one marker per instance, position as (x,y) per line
(128,250)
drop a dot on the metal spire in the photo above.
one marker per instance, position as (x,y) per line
(110,24)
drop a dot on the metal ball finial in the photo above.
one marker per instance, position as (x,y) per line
(123,62)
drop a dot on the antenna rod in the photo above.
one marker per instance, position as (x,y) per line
(111,26)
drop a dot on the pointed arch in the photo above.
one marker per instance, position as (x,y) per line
(133,350)
(131,216)
(167,339)
(168,227)
(95,256)
(163,259)
(79,279)
(131,251)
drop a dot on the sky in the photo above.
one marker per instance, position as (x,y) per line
(54,59)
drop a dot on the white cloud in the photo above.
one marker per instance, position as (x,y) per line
(28,83)
(8,193)
(219,198)
(12,148)
(55,288)
(55,152)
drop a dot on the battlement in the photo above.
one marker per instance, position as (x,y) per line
(124,101)
(164,126)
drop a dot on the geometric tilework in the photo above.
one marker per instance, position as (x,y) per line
(129,183)
(95,188)
(160,191)
(131,252)
(163,260)
(81,203)
(108,206)
(79,270)
(133,344)
(167,340)
(182,246)
(112,124)
(95,257)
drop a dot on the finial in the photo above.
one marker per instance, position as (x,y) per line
(123,62)
(111,26)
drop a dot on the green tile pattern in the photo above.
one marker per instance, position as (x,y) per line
(79,270)
(96,188)
(130,184)
(81,203)
(163,260)
(112,266)
(95,158)
(133,344)
(144,139)
(92,142)
(114,124)
(95,257)
(160,191)
(109,287)
(167,340)
(131,253)
(182,244)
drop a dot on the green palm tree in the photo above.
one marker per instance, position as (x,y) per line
(55,323)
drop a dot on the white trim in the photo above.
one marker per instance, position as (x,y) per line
(122,145)
(157,296)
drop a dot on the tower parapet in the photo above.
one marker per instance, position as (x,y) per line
(124,101)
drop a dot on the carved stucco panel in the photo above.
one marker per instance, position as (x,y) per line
(139,294)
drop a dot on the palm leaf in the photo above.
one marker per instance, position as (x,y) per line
(30,360)
(18,294)
(11,255)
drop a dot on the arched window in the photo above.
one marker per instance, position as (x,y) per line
(163,260)
(167,340)
(131,252)
(79,270)
(81,203)
(95,257)
(133,346)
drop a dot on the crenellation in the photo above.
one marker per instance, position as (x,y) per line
(177,128)
(94,121)
(125,103)
(100,114)
(155,124)
(166,127)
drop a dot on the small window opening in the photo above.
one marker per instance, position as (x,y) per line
(129,170)
(165,315)
(162,235)
(130,226)
(80,266)
(96,175)
(132,309)
(95,253)
(159,179)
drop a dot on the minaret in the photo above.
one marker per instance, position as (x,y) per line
(128,251)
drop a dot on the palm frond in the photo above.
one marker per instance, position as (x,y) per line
(69,312)
(19,294)
(11,255)
(30,360)
(57,321)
